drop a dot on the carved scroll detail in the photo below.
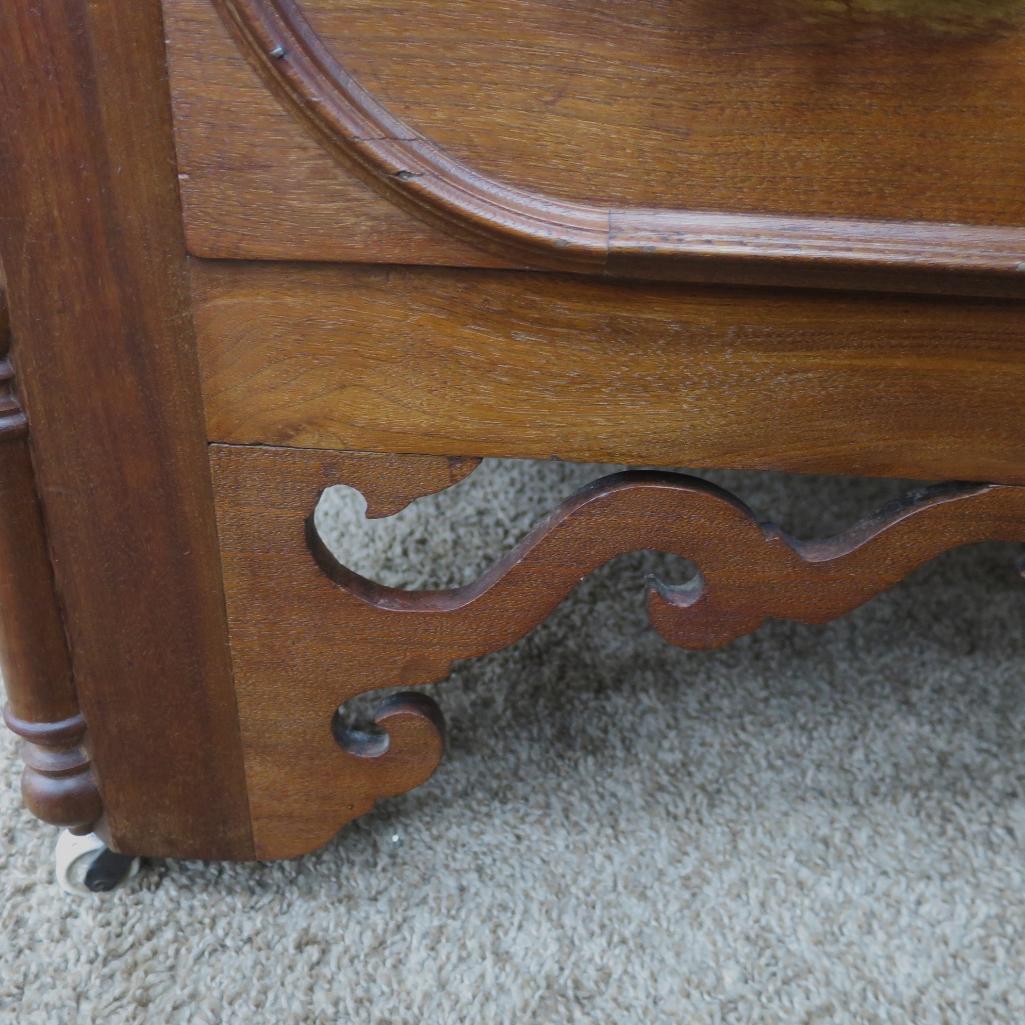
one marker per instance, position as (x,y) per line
(309,634)
(749,572)
(406,750)
(546,231)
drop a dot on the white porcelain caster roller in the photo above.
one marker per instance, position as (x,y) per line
(86,865)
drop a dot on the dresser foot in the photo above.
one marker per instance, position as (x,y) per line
(84,864)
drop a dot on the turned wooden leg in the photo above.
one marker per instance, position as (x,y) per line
(308,634)
(58,785)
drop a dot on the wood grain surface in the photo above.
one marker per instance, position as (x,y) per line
(308,634)
(292,668)
(58,784)
(540,365)
(90,236)
(256,184)
(792,112)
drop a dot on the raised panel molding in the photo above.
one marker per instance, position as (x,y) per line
(539,230)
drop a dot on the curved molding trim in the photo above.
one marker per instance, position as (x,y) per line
(544,231)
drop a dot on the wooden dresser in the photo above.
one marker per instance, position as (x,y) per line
(256,248)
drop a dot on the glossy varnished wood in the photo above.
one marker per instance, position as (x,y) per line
(504,363)
(309,634)
(731,74)
(92,249)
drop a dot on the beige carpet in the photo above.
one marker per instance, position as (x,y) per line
(811,826)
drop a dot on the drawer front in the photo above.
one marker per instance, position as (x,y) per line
(781,142)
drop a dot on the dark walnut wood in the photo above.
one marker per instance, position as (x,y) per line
(308,634)
(91,244)
(404,360)
(735,71)
(42,708)
(58,785)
